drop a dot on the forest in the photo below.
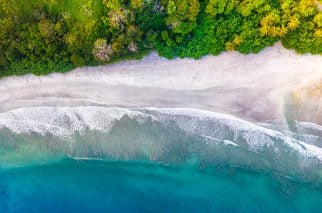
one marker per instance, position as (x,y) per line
(43,36)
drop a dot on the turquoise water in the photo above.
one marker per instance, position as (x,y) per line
(153,160)
(97,186)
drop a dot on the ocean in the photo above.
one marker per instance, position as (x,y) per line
(99,159)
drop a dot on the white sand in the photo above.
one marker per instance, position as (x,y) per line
(251,86)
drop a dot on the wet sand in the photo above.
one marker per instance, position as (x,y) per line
(253,87)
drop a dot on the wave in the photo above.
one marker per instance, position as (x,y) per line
(165,135)
(62,121)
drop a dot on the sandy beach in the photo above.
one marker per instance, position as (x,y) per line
(254,87)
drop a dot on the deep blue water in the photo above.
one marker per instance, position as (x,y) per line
(99,186)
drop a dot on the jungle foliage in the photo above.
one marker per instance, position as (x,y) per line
(43,36)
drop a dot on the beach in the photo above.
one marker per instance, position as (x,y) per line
(253,87)
(160,106)
(181,133)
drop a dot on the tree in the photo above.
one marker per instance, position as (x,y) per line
(293,23)
(102,51)
(318,33)
(217,7)
(182,15)
(137,4)
(318,19)
(307,7)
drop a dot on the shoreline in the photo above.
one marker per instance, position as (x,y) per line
(252,87)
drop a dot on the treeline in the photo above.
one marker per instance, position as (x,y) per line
(42,36)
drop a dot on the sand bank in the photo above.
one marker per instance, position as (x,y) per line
(306,103)
(251,86)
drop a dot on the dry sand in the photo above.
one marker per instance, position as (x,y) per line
(251,86)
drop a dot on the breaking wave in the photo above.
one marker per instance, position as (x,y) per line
(170,136)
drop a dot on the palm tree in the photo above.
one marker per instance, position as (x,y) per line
(293,23)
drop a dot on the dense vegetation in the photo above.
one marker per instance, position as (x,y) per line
(42,36)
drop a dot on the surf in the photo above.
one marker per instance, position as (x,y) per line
(169,136)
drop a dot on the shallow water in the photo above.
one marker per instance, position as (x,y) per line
(87,159)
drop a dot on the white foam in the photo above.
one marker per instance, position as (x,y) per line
(225,142)
(65,121)
(257,137)
(310,125)
(249,130)
(228,142)
(251,86)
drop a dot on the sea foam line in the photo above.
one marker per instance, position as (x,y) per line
(65,121)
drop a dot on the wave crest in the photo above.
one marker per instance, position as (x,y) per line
(165,135)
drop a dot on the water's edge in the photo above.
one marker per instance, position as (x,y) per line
(95,158)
